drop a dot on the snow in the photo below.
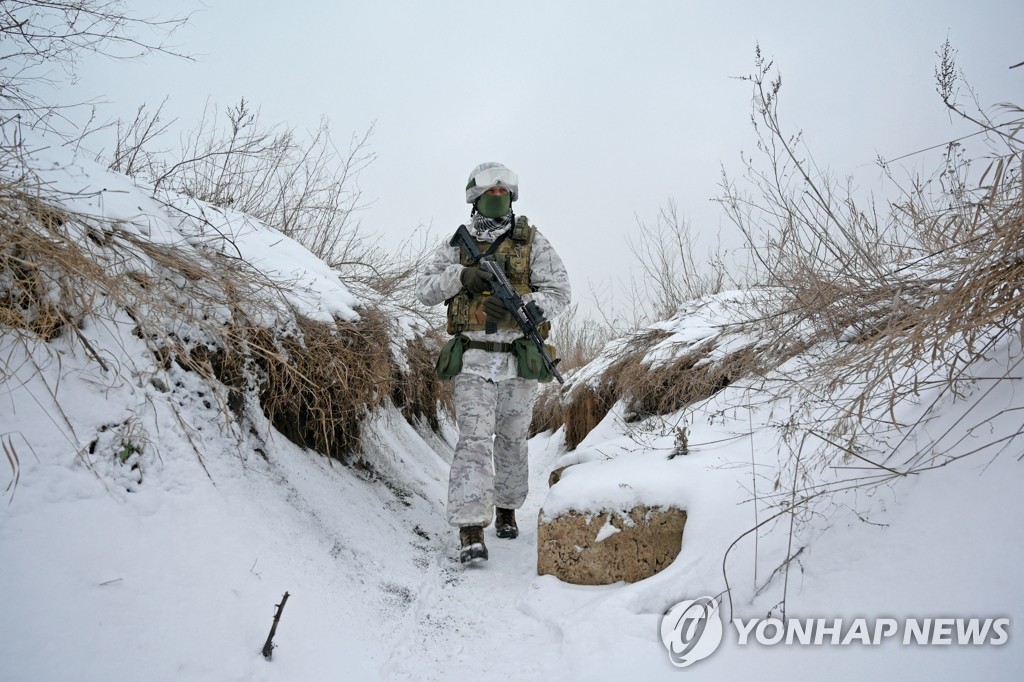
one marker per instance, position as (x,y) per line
(606,531)
(169,565)
(83,186)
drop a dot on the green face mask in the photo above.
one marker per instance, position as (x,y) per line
(494,205)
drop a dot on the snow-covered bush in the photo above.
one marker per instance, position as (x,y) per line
(271,329)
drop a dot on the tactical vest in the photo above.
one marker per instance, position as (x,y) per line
(465,310)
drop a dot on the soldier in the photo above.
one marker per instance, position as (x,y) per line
(491,396)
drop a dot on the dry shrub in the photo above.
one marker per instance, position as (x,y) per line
(944,311)
(588,402)
(672,272)
(418,392)
(577,339)
(548,411)
(647,389)
(23,303)
(301,184)
(584,409)
(580,405)
(322,383)
(39,268)
(315,381)
(44,38)
(318,383)
(895,302)
(689,378)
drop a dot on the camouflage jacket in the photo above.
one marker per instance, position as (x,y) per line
(439,281)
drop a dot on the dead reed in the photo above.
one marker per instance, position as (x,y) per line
(212,313)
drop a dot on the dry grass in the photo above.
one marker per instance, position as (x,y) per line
(315,381)
(34,250)
(867,323)
(584,409)
(301,184)
(933,284)
(581,405)
(944,311)
(886,336)
(897,306)
(321,385)
(647,388)
(578,339)
(418,392)
(937,299)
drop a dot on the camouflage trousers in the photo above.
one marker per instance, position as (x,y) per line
(489,472)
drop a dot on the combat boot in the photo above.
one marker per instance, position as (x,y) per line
(505,523)
(473,547)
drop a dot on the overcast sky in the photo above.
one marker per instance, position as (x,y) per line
(605,109)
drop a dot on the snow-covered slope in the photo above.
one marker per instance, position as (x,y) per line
(166,562)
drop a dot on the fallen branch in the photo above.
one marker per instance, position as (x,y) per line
(268,648)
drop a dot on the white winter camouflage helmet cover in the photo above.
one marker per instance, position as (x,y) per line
(488,175)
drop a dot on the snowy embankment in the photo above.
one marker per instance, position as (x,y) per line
(164,561)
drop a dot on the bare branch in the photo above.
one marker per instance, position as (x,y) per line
(41,37)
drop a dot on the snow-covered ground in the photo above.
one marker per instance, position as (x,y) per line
(168,565)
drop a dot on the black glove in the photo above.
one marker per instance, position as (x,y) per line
(496,310)
(475,280)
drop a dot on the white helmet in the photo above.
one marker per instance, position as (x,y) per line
(488,175)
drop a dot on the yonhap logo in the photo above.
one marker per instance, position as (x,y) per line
(691,630)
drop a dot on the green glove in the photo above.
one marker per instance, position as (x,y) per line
(496,310)
(475,280)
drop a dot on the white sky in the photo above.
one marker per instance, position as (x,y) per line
(605,109)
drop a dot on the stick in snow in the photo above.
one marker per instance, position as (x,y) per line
(268,648)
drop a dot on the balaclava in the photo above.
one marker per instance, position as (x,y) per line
(494,205)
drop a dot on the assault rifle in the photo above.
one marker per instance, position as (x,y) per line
(528,316)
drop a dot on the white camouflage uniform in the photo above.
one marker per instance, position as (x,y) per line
(490,399)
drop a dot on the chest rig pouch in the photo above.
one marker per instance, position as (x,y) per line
(465,310)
